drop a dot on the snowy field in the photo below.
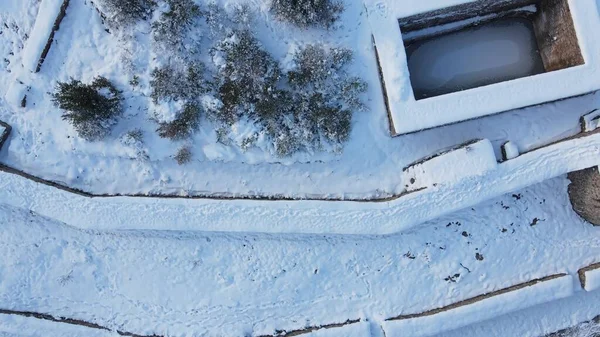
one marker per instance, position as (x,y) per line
(191,283)
(201,267)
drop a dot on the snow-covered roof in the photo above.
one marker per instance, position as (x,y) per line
(410,115)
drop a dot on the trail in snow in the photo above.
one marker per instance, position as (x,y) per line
(178,283)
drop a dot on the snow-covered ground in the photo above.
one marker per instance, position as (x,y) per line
(46,146)
(183,267)
(182,283)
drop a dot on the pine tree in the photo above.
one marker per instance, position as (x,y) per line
(183,126)
(125,12)
(306,13)
(90,108)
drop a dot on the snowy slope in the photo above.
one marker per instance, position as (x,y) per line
(233,284)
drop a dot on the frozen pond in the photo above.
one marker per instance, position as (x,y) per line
(497,51)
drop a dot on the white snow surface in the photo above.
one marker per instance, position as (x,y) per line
(499,305)
(511,150)
(17,326)
(469,161)
(300,216)
(168,266)
(190,283)
(47,14)
(592,279)
(540,320)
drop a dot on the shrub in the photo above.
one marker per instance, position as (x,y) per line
(306,13)
(248,76)
(91,108)
(125,12)
(176,22)
(183,126)
(183,155)
(135,135)
(324,94)
(170,84)
(134,141)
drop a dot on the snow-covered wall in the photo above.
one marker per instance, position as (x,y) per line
(43,30)
(590,277)
(470,160)
(409,115)
(300,216)
(545,291)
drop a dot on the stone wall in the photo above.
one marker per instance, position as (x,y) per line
(556,35)
(553,24)
(460,12)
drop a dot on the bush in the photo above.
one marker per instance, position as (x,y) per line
(312,109)
(324,94)
(306,13)
(248,78)
(171,27)
(183,126)
(170,84)
(91,108)
(125,12)
(133,140)
(183,155)
(135,136)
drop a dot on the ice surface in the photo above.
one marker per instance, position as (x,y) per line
(499,51)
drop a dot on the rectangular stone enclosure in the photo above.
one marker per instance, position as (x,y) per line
(446,61)
(485,42)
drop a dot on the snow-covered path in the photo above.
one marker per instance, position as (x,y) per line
(183,283)
(300,216)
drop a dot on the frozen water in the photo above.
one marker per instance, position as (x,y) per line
(498,51)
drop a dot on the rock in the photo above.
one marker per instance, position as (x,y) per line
(584,193)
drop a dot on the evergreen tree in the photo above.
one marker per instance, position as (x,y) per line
(125,12)
(306,13)
(90,108)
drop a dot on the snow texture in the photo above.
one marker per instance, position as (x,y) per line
(16,326)
(591,120)
(15,94)
(486,309)
(469,161)
(538,320)
(38,38)
(410,115)
(300,216)
(592,279)
(227,284)
(45,145)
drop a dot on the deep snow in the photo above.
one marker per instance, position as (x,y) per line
(181,283)
(165,266)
